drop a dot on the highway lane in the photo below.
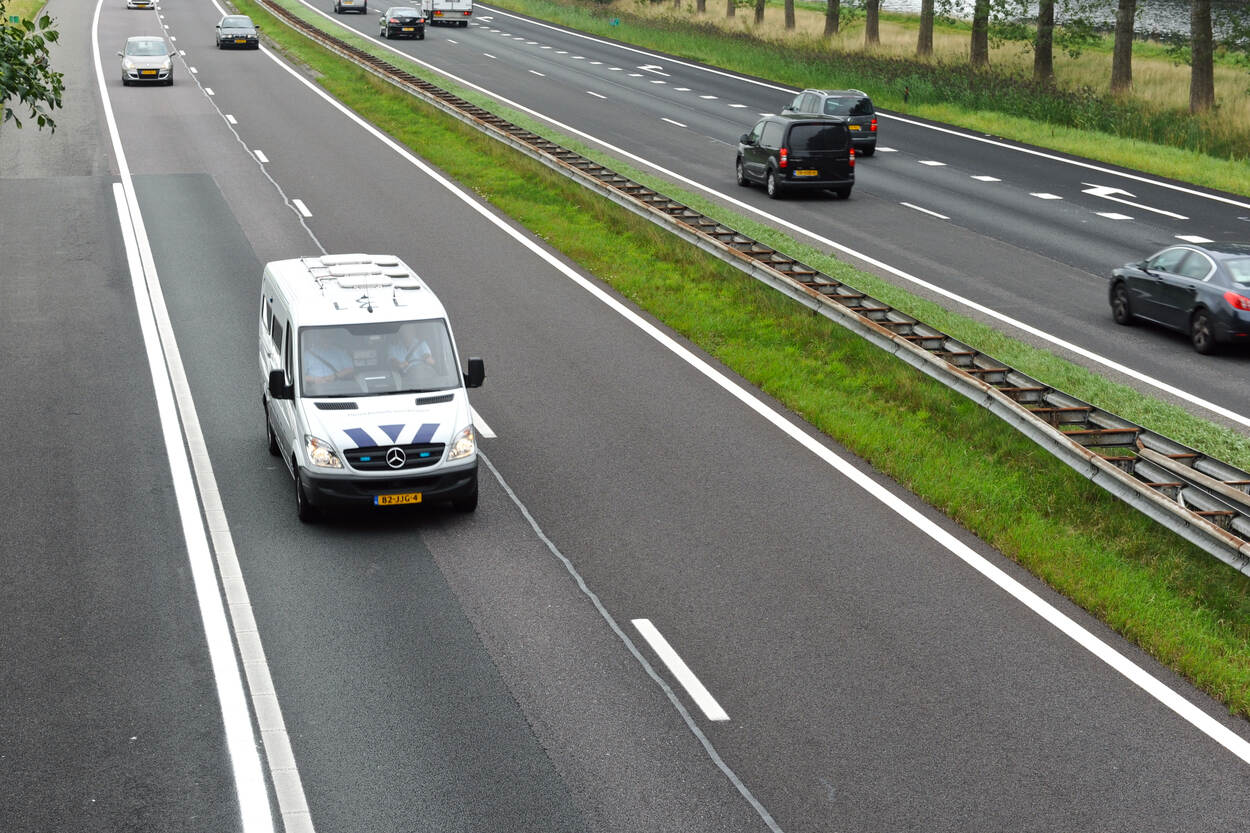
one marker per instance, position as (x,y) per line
(110,719)
(1020,233)
(410,699)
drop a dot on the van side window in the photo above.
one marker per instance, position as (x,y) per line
(276,332)
(771,137)
(287,360)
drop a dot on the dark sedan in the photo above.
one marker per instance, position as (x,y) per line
(237,31)
(402,22)
(1203,291)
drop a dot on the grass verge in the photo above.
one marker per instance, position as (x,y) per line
(1180,605)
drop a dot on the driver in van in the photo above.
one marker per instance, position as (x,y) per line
(324,360)
(410,351)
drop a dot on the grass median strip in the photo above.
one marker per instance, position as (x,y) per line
(1182,606)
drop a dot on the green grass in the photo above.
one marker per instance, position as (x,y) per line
(1179,604)
(25,9)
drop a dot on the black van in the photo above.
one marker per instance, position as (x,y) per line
(787,151)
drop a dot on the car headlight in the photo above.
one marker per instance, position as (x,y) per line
(167,65)
(128,64)
(463,445)
(321,453)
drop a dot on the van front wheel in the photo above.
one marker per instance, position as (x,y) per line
(270,435)
(306,512)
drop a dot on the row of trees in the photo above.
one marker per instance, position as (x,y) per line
(998,19)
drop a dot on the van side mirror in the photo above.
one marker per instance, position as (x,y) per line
(745,138)
(278,388)
(476,374)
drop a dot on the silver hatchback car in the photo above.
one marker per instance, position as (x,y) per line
(147,59)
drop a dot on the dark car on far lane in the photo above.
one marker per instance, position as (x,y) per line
(788,152)
(237,31)
(402,22)
(1203,291)
(853,105)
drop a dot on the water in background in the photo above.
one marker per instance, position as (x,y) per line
(1163,19)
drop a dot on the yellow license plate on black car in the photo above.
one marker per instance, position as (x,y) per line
(853,127)
(397,500)
(408,28)
(240,40)
(806,173)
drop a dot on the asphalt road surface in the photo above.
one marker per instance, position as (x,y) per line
(484,672)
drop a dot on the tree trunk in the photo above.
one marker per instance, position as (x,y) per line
(872,24)
(833,10)
(759,12)
(789,14)
(1122,53)
(1202,51)
(980,53)
(731,8)
(924,43)
(700,6)
(1044,43)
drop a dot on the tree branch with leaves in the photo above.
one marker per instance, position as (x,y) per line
(27,80)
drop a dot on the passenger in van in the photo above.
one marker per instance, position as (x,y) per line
(411,352)
(325,362)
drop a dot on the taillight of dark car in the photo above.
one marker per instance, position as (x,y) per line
(783,157)
(873,128)
(1236,301)
(852,157)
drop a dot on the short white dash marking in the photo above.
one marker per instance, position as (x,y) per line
(208,91)
(933,163)
(595,94)
(492,57)
(1044,196)
(301,208)
(544,47)
(480,425)
(635,75)
(536,72)
(925,211)
(708,97)
(678,668)
(562,52)
(614,69)
(596,63)
(886,150)
(737,106)
(670,121)
(682,89)
(984,178)
(658,81)
(182,52)
(531,43)
(231,119)
(1111,215)
(260,155)
(1193,238)
(449,40)
(578,58)
(193,70)
(172,37)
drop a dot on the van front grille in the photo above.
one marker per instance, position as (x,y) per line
(377,457)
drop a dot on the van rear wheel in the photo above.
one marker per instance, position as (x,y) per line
(772,186)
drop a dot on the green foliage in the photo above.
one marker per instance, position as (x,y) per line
(25,74)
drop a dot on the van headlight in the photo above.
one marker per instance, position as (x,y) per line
(321,453)
(463,445)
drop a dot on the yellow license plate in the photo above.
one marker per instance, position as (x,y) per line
(806,173)
(147,72)
(408,28)
(397,500)
(853,127)
(240,40)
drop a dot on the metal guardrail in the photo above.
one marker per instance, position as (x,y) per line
(1203,499)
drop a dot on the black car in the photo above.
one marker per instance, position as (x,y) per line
(853,105)
(402,22)
(788,152)
(237,31)
(1203,291)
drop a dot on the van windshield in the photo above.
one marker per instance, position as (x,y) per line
(814,137)
(377,359)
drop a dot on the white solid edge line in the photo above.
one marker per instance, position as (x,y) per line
(1130,670)
(914,123)
(1110,364)
(254,808)
(678,668)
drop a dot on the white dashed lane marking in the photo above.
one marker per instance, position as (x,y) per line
(301,208)
(933,163)
(1044,196)
(981,178)
(595,94)
(670,121)
(925,211)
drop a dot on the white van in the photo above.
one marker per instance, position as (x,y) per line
(451,12)
(364,399)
